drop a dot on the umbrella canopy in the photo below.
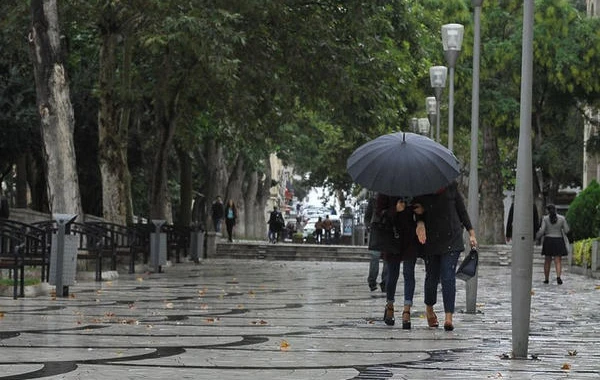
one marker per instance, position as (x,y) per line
(403,164)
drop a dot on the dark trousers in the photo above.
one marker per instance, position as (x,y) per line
(441,268)
(229,223)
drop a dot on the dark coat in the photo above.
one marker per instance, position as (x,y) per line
(445,217)
(405,225)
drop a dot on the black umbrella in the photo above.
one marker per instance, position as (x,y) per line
(403,164)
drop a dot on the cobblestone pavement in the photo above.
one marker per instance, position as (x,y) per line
(240,319)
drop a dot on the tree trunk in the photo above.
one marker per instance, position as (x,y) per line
(235,188)
(55,109)
(217,174)
(112,144)
(185,187)
(21,181)
(491,223)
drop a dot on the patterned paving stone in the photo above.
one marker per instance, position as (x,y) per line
(240,319)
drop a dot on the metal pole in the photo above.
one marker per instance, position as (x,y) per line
(438,98)
(473,201)
(451,109)
(522,249)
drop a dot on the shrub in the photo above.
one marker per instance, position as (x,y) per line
(582,249)
(583,216)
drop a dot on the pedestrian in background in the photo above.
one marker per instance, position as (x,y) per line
(230,218)
(217,213)
(553,229)
(319,230)
(327,226)
(276,224)
(509,222)
(445,216)
(370,217)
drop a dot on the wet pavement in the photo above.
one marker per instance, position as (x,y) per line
(242,319)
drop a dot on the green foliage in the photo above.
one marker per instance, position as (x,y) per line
(582,252)
(583,216)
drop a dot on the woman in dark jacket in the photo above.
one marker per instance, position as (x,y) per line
(400,215)
(445,216)
(230,218)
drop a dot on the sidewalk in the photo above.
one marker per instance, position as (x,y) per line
(253,319)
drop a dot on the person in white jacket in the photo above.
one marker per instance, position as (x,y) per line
(553,229)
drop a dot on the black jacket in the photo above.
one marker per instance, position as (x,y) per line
(445,217)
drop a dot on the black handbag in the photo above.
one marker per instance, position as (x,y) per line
(383,237)
(468,267)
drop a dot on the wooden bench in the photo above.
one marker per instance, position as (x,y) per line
(37,250)
(127,241)
(94,243)
(12,247)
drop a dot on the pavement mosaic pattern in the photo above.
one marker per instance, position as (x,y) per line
(240,319)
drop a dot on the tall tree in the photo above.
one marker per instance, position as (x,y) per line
(54,108)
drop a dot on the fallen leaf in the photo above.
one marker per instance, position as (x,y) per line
(597,287)
(566,366)
(201,292)
(1,314)
(140,279)
(169,305)
(240,306)
(284,345)
(533,292)
(71,295)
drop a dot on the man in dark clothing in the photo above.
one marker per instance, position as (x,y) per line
(199,211)
(276,223)
(218,211)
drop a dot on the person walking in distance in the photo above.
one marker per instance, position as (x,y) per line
(370,217)
(230,218)
(276,223)
(319,230)
(217,213)
(327,227)
(445,216)
(553,229)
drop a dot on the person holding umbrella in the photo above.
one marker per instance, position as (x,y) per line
(445,216)
(408,164)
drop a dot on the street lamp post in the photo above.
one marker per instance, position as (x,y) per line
(452,36)
(414,125)
(424,126)
(437,76)
(522,249)
(473,201)
(431,107)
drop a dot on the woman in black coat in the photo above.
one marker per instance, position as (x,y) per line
(445,216)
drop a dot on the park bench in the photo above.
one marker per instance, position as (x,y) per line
(36,252)
(127,242)
(178,241)
(11,258)
(94,243)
